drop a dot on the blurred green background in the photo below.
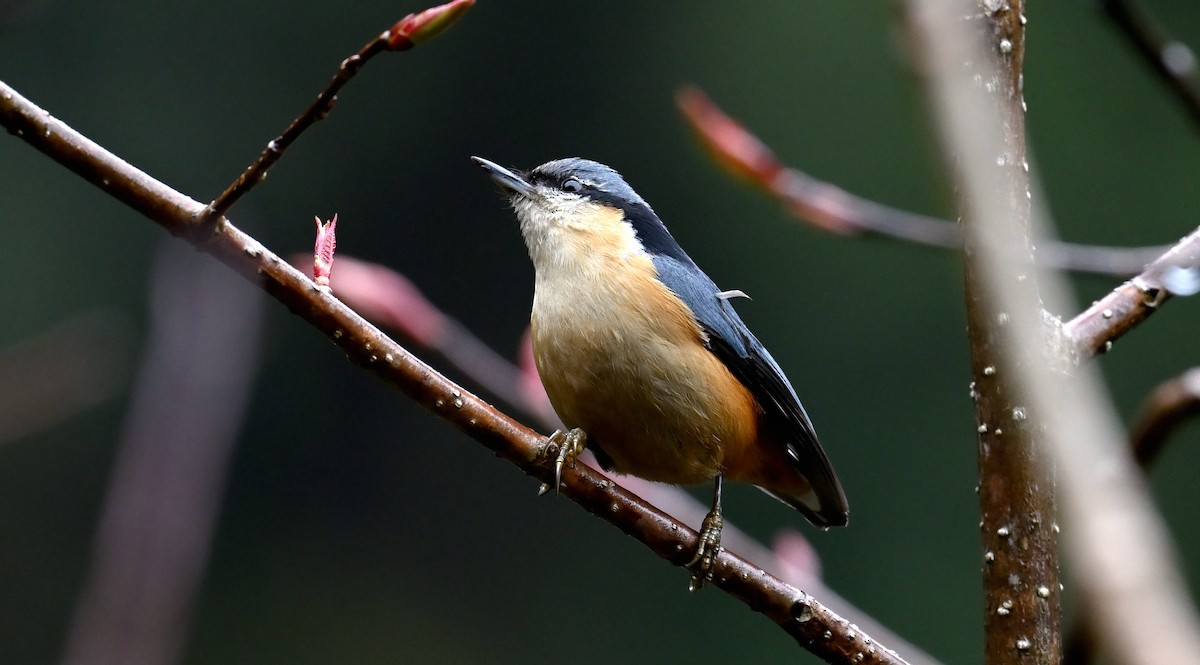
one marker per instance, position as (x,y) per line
(356,527)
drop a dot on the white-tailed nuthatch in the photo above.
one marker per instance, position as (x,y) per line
(645,358)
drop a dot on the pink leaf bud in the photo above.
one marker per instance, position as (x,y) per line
(421,27)
(323,254)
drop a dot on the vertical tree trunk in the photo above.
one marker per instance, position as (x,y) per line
(1016,485)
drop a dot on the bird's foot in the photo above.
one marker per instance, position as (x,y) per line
(570,444)
(707,551)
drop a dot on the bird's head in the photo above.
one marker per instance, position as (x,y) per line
(579,201)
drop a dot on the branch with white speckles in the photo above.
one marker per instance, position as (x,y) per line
(809,622)
(1176,272)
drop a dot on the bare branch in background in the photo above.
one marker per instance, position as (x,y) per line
(831,208)
(1129,579)
(1171,59)
(165,489)
(1172,404)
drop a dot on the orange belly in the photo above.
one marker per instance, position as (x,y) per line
(662,409)
(623,358)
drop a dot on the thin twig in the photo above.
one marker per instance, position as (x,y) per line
(406,33)
(810,623)
(1129,578)
(831,208)
(1095,329)
(1169,406)
(1171,59)
(257,172)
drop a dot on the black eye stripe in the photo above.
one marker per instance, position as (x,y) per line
(567,183)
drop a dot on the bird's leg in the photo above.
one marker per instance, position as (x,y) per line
(709,542)
(570,444)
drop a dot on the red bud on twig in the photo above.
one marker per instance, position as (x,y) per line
(736,149)
(421,27)
(323,254)
(741,153)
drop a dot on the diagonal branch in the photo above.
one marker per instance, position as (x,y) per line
(321,106)
(406,33)
(810,623)
(391,301)
(828,207)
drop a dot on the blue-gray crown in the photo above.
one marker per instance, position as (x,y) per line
(604,185)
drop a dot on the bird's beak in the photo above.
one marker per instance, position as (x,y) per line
(507,180)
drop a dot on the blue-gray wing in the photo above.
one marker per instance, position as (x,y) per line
(732,342)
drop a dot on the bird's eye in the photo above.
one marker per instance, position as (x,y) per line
(572,185)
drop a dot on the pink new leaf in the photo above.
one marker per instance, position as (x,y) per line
(323,254)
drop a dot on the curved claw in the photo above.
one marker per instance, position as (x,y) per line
(708,547)
(558,465)
(570,445)
(707,551)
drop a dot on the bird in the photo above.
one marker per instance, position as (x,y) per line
(646,361)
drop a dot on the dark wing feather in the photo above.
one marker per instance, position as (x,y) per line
(733,343)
